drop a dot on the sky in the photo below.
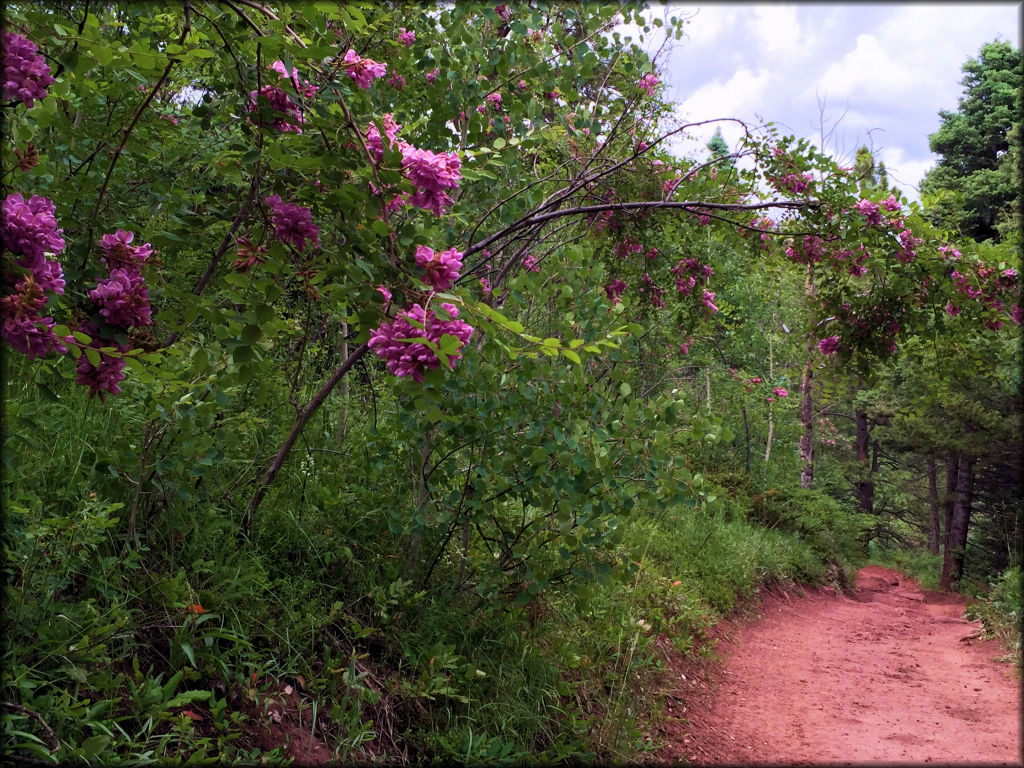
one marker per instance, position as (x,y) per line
(874,74)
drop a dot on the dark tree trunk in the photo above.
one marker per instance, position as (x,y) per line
(933,502)
(946,579)
(865,484)
(962,513)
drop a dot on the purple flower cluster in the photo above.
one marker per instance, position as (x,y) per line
(688,272)
(442,268)
(870,212)
(793,182)
(28,232)
(908,244)
(529,263)
(406,37)
(375,143)
(123,302)
(829,345)
(105,377)
(293,223)
(26,73)
(30,229)
(363,71)
(391,341)
(288,114)
(431,173)
(647,83)
(614,290)
(651,290)
(123,299)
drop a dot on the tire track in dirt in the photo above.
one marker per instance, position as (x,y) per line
(882,676)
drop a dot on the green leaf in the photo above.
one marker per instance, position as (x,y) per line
(572,356)
(625,389)
(93,356)
(94,745)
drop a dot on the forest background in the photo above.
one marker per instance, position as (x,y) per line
(378,386)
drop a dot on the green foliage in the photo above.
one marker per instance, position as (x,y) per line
(267,527)
(974,187)
(1000,611)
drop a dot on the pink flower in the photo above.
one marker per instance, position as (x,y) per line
(780,392)
(414,358)
(375,143)
(431,173)
(406,37)
(522,85)
(647,83)
(952,309)
(432,76)
(287,116)
(119,253)
(29,229)
(26,73)
(829,345)
(685,347)
(123,299)
(707,299)
(494,99)
(442,268)
(385,293)
(1017,314)
(33,337)
(396,81)
(363,71)
(293,223)
(614,290)
(891,204)
(870,212)
(105,377)
(306,89)
(530,263)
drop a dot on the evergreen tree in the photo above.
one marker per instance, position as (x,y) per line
(972,188)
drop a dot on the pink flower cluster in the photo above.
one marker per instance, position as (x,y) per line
(406,37)
(431,173)
(648,82)
(829,345)
(870,212)
(287,114)
(123,302)
(432,75)
(688,273)
(28,232)
(908,244)
(530,263)
(614,290)
(441,268)
(363,71)
(652,291)
(624,248)
(293,223)
(793,182)
(26,73)
(393,341)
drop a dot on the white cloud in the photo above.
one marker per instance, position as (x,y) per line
(779,34)
(870,73)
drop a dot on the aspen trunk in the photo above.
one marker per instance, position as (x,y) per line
(933,503)
(807,398)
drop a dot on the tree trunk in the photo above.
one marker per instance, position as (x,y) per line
(962,513)
(865,484)
(946,579)
(933,503)
(771,377)
(807,399)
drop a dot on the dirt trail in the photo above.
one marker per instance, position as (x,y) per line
(883,676)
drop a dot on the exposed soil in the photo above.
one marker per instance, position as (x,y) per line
(892,674)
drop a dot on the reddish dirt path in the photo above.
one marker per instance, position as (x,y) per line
(883,676)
